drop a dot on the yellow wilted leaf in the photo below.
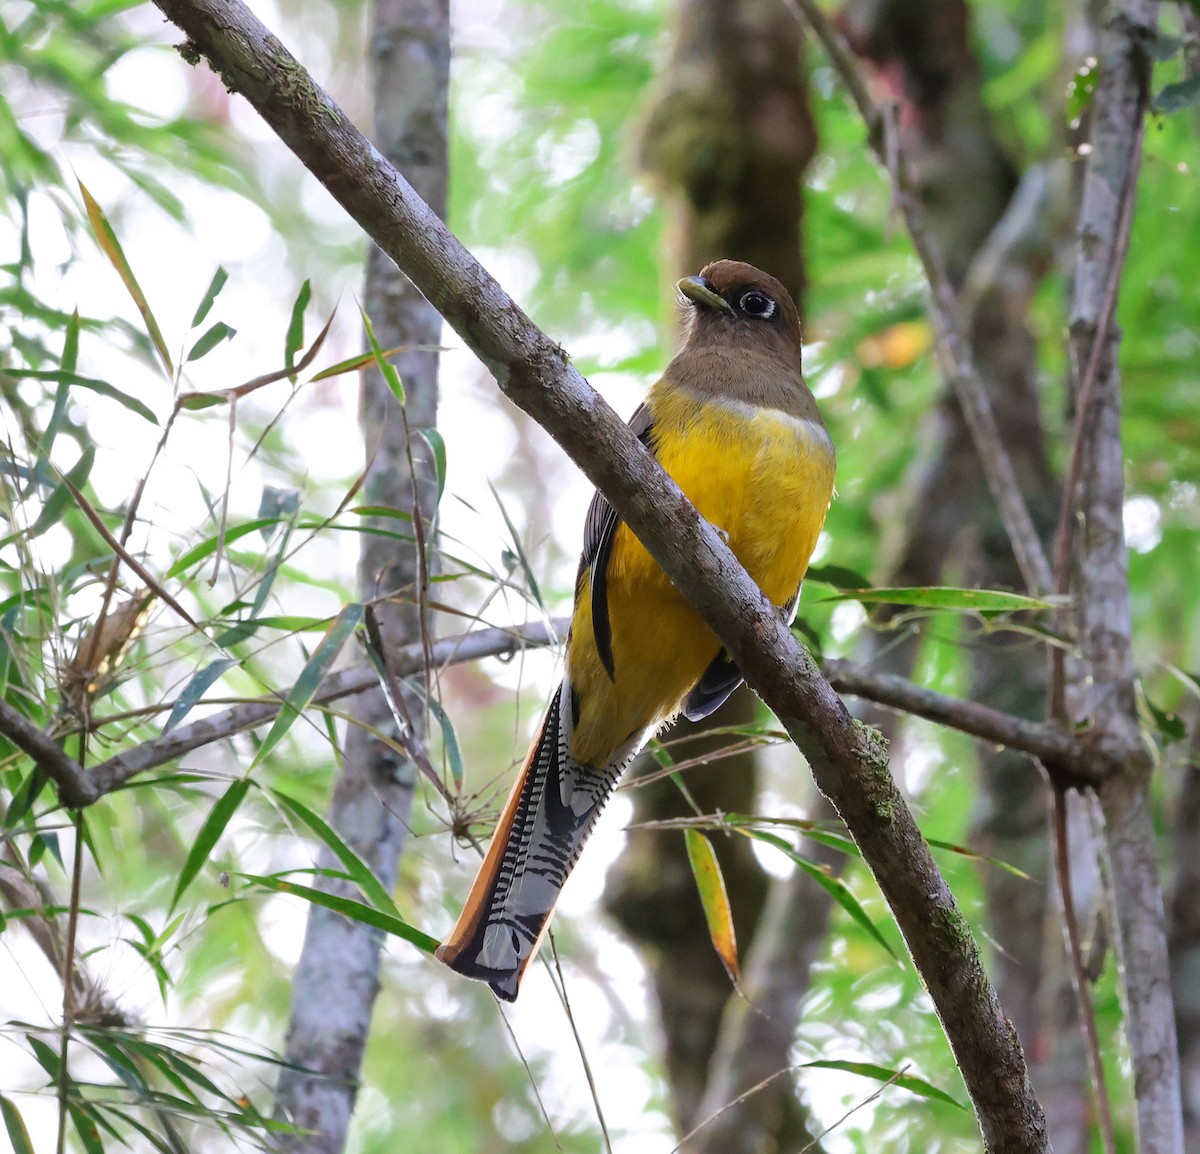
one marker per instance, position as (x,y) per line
(895,347)
(107,240)
(713,897)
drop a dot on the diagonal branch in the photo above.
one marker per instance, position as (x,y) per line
(409,659)
(79,787)
(848,760)
(76,787)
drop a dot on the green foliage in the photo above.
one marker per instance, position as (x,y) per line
(191,871)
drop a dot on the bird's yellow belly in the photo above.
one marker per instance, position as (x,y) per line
(761,477)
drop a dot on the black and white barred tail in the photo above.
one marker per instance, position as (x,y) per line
(547,818)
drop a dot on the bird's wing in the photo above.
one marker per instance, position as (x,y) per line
(722,677)
(599,532)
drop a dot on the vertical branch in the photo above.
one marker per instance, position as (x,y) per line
(372,797)
(1105,698)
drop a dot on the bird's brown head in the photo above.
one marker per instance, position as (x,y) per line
(735,304)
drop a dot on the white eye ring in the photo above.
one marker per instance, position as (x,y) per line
(757,305)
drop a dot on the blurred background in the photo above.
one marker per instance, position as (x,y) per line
(596,152)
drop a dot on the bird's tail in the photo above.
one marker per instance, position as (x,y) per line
(549,815)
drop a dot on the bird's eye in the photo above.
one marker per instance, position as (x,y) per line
(757,305)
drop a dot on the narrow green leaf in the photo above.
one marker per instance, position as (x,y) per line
(813,830)
(834,887)
(24,796)
(356,869)
(15,1125)
(515,538)
(61,498)
(219,332)
(294,341)
(382,511)
(210,832)
(70,354)
(437,446)
(298,698)
(940,597)
(837,576)
(354,363)
(908,1082)
(86,1128)
(195,690)
(73,379)
(214,287)
(46,1055)
(107,239)
(207,547)
(710,884)
(386,369)
(356,911)
(1178,96)
(449,740)
(967,852)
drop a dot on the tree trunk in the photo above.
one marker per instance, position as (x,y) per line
(337,977)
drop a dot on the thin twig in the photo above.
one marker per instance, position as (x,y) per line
(954,346)
(409,659)
(560,987)
(68,983)
(1083,1002)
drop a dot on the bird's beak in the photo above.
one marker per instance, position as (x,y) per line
(700,291)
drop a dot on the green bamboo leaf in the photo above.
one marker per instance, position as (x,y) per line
(837,576)
(966,851)
(299,696)
(1178,96)
(294,341)
(356,869)
(195,690)
(210,833)
(943,597)
(293,623)
(519,552)
(449,741)
(219,332)
(710,884)
(356,911)
(214,287)
(437,446)
(813,830)
(909,1082)
(15,1125)
(58,413)
(382,511)
(70,354)
(834,887)
(118,1062)
(46,1055)
(107,239)
(354,363)
(386,369)
(209,546)
(73,379)
(85,1126)
(61,498)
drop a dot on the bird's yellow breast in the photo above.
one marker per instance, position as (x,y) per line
(764,479)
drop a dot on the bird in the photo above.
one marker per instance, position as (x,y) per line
(732,421)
